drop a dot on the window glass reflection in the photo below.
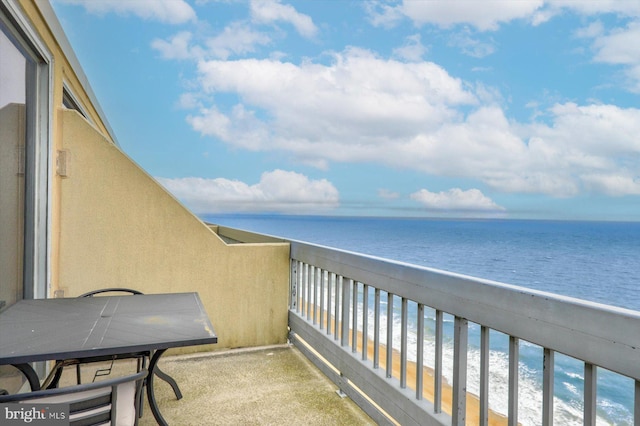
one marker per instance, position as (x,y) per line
(13,67)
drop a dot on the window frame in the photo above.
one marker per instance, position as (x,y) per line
(38,148)
(70,101)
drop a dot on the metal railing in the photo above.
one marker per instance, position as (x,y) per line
(338,319)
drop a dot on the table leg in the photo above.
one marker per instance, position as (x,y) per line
(167,378)
(30,374)
(153,405)
(154,370)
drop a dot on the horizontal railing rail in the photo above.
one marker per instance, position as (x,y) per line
(337,307)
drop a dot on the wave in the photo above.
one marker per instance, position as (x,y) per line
(568,406)
(569,379)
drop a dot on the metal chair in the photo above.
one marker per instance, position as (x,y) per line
(53,379)
(111,290)
(142,358)
(106,371)
(114,401)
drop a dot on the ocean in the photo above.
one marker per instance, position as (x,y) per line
(595,261)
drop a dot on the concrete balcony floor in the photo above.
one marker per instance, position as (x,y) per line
(262,386)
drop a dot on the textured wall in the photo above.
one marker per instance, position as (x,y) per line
(119,228)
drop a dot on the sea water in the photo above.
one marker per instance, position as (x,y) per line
(596,261)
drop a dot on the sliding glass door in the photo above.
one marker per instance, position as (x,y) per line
(25,115)
(13,94)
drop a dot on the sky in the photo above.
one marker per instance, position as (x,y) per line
(420,108)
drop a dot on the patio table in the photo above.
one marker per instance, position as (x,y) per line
(105,327)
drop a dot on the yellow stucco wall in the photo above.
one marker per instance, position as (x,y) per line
(119,228)
(112,225)
(61,73)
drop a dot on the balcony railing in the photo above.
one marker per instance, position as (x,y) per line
(338,318)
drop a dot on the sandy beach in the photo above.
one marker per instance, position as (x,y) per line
(473,402)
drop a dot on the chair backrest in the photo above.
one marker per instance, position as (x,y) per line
(111,290)
(114,401)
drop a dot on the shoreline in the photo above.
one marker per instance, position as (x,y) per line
(473,401)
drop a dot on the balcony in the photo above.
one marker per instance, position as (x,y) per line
(396,340)
(268,385)
(423,319)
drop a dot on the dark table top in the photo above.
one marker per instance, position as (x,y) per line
(69,328)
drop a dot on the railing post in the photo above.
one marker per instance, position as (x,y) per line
(514,357)
(403,343)
(484,376)
(389,335)
(636,404)
(314,296)
(346,287)
(420,353)
(590,385)
(460,340)
(365,322)
(321,280)
(308,274)
(376,329)
(547,387)
(330,289)
(293,296)
(336,316)
(302,272)
(437,375)
(354,321)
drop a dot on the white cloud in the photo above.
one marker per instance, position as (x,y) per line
(633,73)
(189,101)
(613,184)
(176,48)
(456,199)
(241,128)
(618,46)
(621,47)
(484,15)
(270,11)
(594,29)
(608,131)
(413,50)
(471,46)
(488,15)
(167,11)
(387,194)
(593,7)
(236,39)
(593,148)
(211,122)
(277,191)
(201,2)
(359,97)
(542,16)
(361,108)
(382,14)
